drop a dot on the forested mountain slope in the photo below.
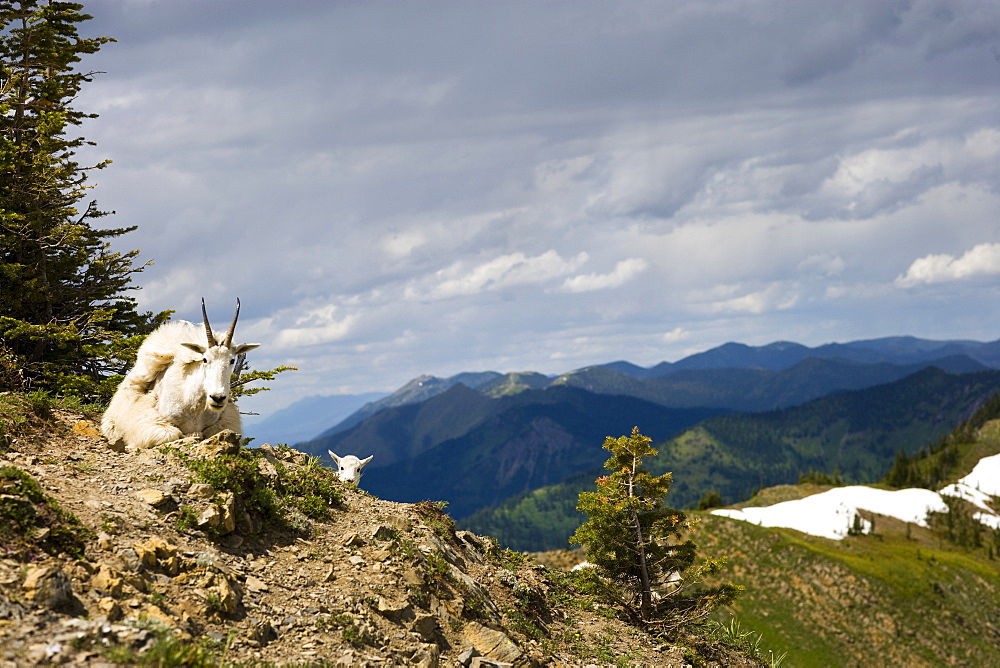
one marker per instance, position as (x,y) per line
(755,389)
(854,433)
(473,451)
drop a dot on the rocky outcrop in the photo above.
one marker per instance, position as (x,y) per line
(168,558)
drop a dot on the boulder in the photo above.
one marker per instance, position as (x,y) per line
(226,442)
(49,587)
(107,580)
(490,642)
(154,497)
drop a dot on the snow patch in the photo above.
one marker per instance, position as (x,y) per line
(978,487)
(830,514)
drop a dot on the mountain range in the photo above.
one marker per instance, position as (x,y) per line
(877,361)
(513,450)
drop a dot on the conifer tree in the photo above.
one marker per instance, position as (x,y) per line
(65,320)
(628,538)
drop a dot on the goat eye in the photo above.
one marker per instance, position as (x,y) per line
(204,360)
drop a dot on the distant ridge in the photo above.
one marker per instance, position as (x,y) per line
(784,354)
(419,389)
(733,376)
(907,351)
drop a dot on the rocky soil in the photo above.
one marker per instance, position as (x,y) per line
(380,584)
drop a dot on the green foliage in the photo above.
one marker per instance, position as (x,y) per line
(213,604)
(436,518)
(241,475)
(747,642)
(186,519)
(310,490)
(960,525)
(814,477)
(40,403)
(504,557)
(32,523)
(65,323)
(165,649)
(939,463)
(712,499)
(243,374)
(857,526)
(629,538)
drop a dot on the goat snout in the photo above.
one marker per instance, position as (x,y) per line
(218,400)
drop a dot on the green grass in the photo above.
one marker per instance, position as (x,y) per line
(867,599)
(166,649)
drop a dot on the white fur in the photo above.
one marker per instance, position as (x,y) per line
(349,466)
(179,386)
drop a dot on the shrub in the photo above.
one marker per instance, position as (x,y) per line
(32,523)
(294,494)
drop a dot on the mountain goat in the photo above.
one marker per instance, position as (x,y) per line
(349,466)
(179,386)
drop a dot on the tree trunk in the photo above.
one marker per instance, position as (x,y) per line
(647,591)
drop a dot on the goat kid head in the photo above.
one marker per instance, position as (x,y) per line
(349,466)
(215,362)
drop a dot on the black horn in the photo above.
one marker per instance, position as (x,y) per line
(208,327)
(232,325)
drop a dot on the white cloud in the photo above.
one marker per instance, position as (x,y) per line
(623,272)
(319,325)
(676,334)
(775,297)
(982,260)
(505,271)
(401,244)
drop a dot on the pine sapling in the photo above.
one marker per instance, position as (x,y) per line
(628,538)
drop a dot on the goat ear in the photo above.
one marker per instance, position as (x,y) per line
(245,347)
(365,461)
(334,457)
(195,347)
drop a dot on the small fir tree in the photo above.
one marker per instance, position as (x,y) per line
(629,539)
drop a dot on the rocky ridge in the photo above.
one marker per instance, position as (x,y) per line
(170,564)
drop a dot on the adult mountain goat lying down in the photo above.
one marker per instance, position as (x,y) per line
(179,386)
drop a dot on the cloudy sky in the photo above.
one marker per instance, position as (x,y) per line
(398,188)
